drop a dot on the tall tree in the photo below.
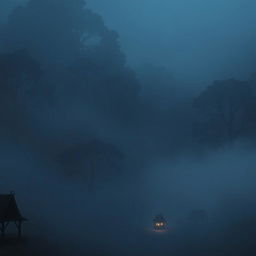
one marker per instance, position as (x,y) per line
(95,161)
(81,56)
(55,31)
(223,107)
(18,75)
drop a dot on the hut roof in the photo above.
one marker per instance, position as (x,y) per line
(159,218)
(9,210)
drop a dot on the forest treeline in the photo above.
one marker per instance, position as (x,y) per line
(67,93)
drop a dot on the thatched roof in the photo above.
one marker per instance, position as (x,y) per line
(9,210)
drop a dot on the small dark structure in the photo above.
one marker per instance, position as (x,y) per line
(9,212)
(159,222)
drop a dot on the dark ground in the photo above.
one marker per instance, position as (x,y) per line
(191,239)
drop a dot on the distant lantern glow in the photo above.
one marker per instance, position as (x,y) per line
(159,223)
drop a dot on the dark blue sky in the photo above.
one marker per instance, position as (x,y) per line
(194,38)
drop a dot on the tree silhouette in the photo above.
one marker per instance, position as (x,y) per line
(18,75)
(222,109)
(94,161)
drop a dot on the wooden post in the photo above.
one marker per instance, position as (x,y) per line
(3,229)
(19,226)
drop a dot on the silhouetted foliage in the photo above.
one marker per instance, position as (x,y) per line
(19,74)
(62,69)
(81,55)
(223,108)
(74,115)
(84,72)
(53,31)
(94,161)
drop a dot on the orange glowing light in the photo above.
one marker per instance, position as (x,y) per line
(159,224)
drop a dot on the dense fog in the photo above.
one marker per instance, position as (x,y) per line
(200,40)
(113,112)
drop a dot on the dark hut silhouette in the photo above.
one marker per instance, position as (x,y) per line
(9,213)
(159,222)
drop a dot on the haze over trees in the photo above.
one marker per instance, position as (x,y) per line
(61,62)
(225,107)
(62,71)
(88,137)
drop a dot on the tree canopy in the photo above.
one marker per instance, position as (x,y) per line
(223,107)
